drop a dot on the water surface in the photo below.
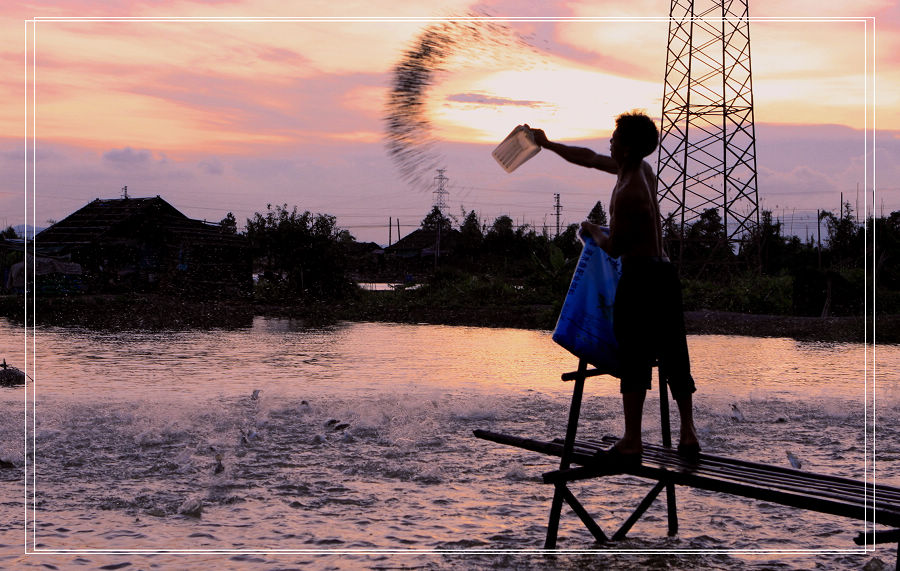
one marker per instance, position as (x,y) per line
(361,440)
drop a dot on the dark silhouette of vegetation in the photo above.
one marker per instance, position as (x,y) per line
(436,219)
(597,215)
(228,224)
(701,245)
(300,255)
(471,236)
(503,273)
(845,238)
(766,272)
(887,250)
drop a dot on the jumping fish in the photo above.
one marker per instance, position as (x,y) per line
(192,507)
(248,436)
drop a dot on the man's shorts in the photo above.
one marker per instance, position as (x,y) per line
(648,321)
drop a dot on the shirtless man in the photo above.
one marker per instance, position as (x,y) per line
(648,314)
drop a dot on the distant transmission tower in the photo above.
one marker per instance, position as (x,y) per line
(707,151)
(440,204)
(441,192)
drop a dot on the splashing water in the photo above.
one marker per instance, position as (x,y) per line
(354,442)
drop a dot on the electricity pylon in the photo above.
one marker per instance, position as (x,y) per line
(440,204)
(707,150)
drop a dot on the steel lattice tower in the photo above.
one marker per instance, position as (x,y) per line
(440,194)
(707,150)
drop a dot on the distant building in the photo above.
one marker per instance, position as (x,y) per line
(422,243)
(146,244)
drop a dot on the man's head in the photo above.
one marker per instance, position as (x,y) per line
(635,137)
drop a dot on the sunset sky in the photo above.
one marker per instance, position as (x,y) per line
(225,114)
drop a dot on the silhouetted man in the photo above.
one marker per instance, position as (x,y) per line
(648,318)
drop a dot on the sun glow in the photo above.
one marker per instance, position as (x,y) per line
(568,103)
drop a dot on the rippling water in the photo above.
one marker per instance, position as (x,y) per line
(360,440)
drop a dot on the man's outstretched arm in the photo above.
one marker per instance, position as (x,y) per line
(581,156)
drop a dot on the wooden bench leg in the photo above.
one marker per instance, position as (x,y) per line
(561,491)
(671,506)
(672,509)
(555,512)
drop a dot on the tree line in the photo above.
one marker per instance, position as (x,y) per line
(304,255)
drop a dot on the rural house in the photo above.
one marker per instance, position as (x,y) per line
(146,244)
(421,243)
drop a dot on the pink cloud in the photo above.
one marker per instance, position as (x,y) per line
(281,107)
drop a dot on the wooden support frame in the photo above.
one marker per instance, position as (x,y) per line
(561,491)
(822,493)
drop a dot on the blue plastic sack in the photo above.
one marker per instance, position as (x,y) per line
(585,324)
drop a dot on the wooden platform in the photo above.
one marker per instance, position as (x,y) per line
(803,490)
(809,491)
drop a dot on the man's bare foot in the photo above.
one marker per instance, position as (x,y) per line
(688,442)
(688,445)
(688,436)
(629,447)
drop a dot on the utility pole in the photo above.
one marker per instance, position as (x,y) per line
(125,192)
(819,235)
(440,204)
(390,227)
(558,208)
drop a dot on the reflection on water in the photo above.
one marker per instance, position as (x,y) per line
(360,438)
(284,355)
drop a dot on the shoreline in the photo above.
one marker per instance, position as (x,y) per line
(825,329)
(123,312)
